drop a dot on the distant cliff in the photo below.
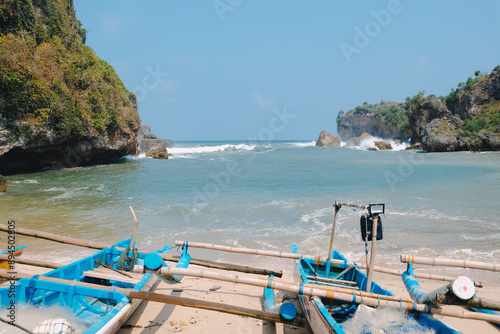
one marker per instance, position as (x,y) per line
(385,120)
(60,105)
(467,119)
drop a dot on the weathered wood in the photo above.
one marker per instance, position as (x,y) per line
(56,237)
(136,225)
(298,256)
(181,301)
(344,297)
(484,303)
(450,263)
(241,250)
(396,272)
(32,262)
(102,273)
(330,280)
(330,249)
(353,205)
(166,257)
(372,255)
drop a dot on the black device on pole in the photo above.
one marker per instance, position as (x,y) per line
(366,224)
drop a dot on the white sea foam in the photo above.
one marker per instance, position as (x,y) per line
(370,143)
(190,151)
(304,144)
(137,156)
(27,181)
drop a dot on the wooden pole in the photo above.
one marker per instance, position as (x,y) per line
(344,297)
(298,256)
(167,299)
(136,224)
(367,262)
(31,262)
(450,263)
(396,272)
(330,249)
(353,205)
(166,257)
(372,255)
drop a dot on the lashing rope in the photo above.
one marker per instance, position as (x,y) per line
(126,262)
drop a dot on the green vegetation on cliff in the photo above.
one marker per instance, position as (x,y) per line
(475,102)
(391,113)
(49,79)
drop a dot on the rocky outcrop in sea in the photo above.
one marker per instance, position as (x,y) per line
(328,140)
(152,145)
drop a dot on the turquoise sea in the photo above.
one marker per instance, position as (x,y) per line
(268,196)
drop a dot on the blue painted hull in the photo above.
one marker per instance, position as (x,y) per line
(96,310)
(328,316)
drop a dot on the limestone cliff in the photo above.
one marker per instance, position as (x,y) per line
(467,120)
(60,105)
(380,120)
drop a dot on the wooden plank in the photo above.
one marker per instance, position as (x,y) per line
(104,273)
(335,285)
(330,280)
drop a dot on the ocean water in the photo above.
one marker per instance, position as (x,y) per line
(268,196)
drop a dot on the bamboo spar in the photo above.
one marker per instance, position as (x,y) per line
(450,263)
(166,257)
(330,249)
(298,256)
(167,299)
(372,255)
(136,224)
(344,297)
(31,262)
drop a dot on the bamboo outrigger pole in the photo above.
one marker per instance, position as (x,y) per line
(286,255)
(31,262)
(166,257)
(344,297)
(450,263)
(372,255)
(167,299)
(330,249)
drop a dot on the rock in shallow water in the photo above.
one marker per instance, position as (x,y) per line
(328,140)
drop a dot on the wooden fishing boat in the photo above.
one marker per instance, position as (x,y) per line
(328,315)
(85,308)
(16,252)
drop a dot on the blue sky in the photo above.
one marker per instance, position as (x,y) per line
(282,70)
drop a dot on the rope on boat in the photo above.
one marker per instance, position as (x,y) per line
(126,262)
